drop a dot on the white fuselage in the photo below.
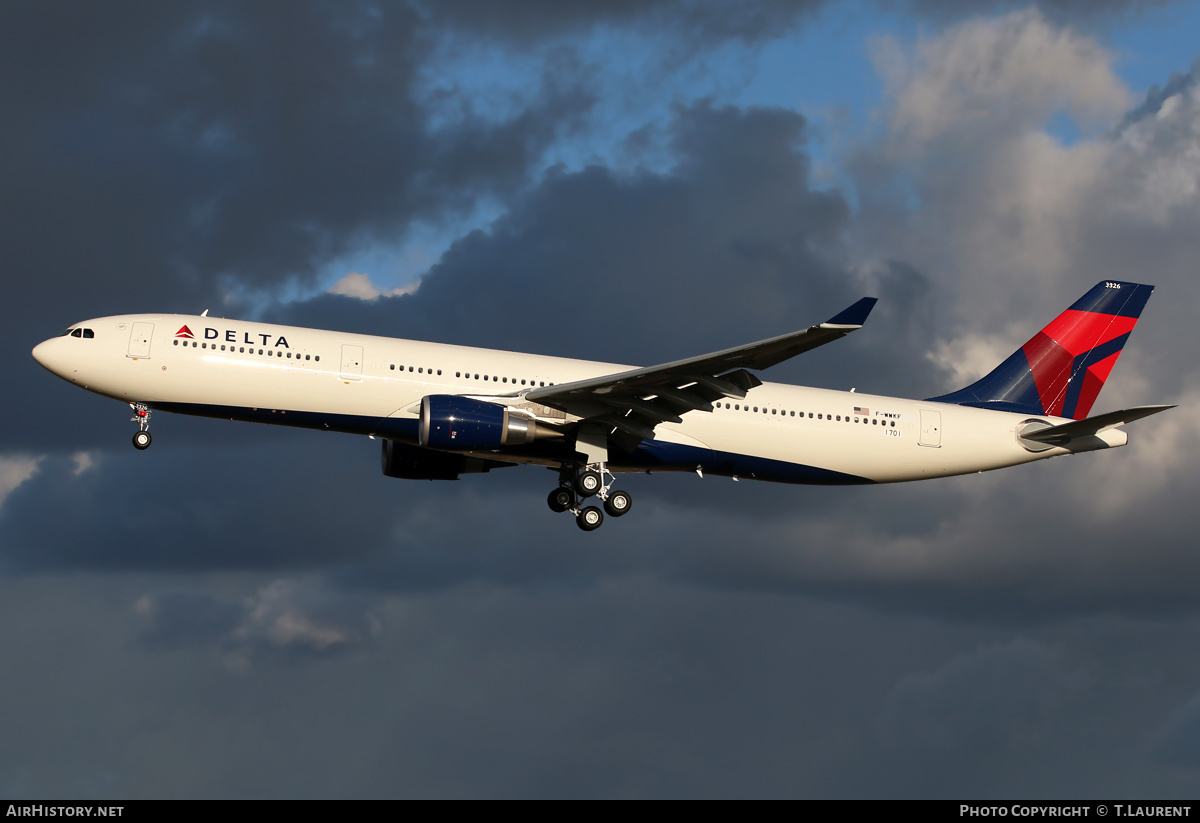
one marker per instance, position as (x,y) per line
(373,385)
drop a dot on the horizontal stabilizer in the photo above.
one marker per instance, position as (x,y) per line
(1062,435)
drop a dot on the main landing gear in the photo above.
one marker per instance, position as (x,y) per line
(141,416)
(593,480)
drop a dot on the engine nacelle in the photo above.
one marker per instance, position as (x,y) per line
(461,424)
(414,463)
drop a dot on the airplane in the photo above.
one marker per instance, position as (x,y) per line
(442,410)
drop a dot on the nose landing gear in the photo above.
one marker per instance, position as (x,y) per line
(141,416)
(592,480)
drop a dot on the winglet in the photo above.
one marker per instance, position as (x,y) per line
(854,316)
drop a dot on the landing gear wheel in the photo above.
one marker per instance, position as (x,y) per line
(141,440)
(590,519)
(561,499)
(618,503)
(588,483)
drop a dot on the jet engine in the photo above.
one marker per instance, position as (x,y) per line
(458,423)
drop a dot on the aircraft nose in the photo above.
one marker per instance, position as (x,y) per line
(49,354)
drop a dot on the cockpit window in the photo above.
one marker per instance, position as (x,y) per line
(66,333)
(88,333)
(77,333)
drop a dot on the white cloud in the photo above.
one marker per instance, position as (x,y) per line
(14,471)
(359,285)
(286,616)
(990,73)
(83,462)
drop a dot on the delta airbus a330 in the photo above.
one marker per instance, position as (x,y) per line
(442,411)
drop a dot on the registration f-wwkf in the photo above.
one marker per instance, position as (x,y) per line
(442,410)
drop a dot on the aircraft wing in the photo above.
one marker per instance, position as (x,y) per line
(636,401)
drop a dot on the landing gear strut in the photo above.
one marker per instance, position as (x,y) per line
(592,480)
(141,416)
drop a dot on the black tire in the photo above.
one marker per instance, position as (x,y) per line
(590,519)
(588,483)
(141,440)
(618,503)
(560,499)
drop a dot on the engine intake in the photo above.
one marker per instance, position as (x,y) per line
(458,423)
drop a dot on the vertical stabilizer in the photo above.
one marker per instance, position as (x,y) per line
(1062,368)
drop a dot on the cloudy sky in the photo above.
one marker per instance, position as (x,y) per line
(243,611)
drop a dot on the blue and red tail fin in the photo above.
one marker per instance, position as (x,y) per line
(1062,368)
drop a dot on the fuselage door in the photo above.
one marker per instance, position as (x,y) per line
(931,428)
(352,360)
(139,340)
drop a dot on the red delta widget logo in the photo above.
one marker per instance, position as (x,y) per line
(231,336)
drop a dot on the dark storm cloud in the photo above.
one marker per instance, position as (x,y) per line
(630,688)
